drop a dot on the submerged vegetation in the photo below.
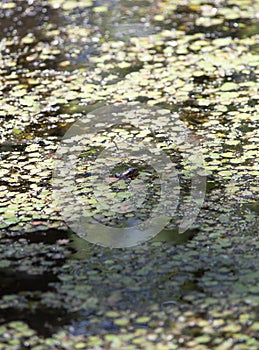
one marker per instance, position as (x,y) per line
(60,60)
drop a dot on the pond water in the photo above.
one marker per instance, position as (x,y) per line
(197,64)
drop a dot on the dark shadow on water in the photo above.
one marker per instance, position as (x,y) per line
(48,236)
(27,288)
(16,281)
(45,236)
(44,321)
(174,237)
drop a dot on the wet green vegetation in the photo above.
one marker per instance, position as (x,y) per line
(60,60)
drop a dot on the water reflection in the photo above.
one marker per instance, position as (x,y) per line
(127,19)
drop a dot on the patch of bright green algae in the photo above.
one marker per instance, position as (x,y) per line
(200,62)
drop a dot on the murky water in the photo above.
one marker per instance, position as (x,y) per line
(51,278)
